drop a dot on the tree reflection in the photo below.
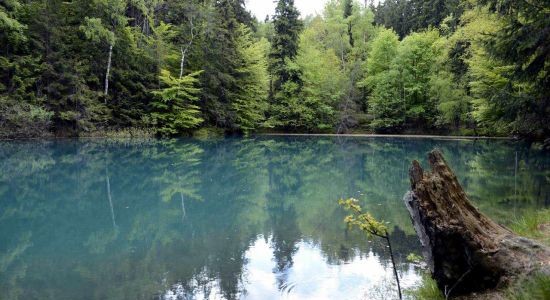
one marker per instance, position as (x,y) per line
(186,212)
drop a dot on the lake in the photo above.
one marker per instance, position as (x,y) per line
(233,218)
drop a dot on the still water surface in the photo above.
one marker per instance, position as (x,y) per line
(230,218)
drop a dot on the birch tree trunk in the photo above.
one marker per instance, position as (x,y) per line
(182,207)
(108,183)
(109,61)
(184,50)
(182,62)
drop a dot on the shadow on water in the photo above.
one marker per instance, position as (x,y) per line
(229,218)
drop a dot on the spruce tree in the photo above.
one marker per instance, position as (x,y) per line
(219,60)
(524,44)
(284,46)
(286,83)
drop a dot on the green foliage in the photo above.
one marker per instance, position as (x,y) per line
(207,133)
(536,286)
(23,119)
(507,79)
(284,46)
(12,32)
(95,31)
(383,51)
(363,220)
(220,63)
(235,82)
(322,81)
(250,101)
(387,105)
(427,290)
(174,109)
(287,110)
(332,51)
(463,66)
(497,83)
(406,16)
(383,79)
(484,72)
(321,92)
(452,101)
(526,22)
(417,57)
(414,258)
(534,224)
(404,81)
(368,224)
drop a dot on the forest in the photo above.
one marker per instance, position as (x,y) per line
(172,67)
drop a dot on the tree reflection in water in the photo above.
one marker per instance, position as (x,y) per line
(228,218)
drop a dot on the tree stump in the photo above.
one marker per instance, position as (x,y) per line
(465,250)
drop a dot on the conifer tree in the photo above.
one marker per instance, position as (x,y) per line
(284,47)
(286,83)
(219,61)
(523,43)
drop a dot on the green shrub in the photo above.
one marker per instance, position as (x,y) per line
(427,290)
(532,225)
(23,119)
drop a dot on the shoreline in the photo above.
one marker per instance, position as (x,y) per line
(408,136)
(364,135)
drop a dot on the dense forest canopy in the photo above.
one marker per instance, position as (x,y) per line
(172,67)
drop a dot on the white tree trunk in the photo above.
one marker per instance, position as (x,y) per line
(182,208)
(108,72)
(184,50)
(182,62)
(108,182)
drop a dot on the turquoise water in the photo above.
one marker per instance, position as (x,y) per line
(230,218)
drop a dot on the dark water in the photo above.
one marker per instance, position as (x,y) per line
(230,218)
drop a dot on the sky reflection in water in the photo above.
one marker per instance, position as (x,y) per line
(310,277)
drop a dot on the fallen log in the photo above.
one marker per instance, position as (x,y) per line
(465,250)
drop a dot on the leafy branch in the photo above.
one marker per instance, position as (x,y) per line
(368,224)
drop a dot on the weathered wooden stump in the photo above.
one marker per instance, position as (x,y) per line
(465,250)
